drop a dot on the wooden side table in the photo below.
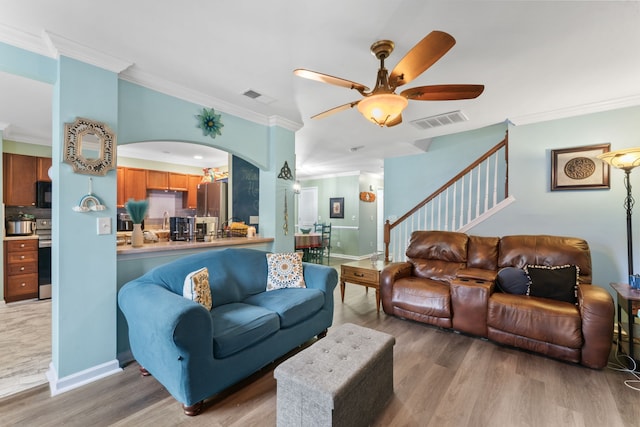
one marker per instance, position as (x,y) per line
(628,300)
(363,273)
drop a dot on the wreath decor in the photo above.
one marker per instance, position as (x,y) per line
(210,122)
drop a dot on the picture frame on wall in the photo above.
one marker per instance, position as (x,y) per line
(336,207)
(578,168)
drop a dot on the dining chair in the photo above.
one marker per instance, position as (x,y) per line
(318,254)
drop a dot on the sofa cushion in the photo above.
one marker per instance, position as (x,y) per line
(196,287)
(559,282)
(284,271)
(424,296)
(513,280)
(237,326)
(292,305)
(541,319)
(482,252)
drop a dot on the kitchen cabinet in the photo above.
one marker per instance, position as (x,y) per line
(20,269)
(159,180)
(135,186)
(19,179)
(178,181)
(192,191)
(42,168)
(120,188)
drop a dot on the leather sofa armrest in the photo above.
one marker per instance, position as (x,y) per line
(389,274)
(597,312)
(477,274)
(469,303)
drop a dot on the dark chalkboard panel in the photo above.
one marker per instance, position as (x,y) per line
(246,190)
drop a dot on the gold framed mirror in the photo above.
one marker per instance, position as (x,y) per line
(89,147)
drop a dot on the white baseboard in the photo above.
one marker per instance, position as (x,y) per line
(70,382)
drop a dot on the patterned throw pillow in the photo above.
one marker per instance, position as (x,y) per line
(558,282)
(285,271)
(196,287)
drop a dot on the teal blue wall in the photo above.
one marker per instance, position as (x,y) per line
(83,273)
(595,215)
(27,64)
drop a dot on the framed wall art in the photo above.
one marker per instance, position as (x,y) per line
(336,207)
(578,168)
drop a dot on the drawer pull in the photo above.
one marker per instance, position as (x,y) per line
(21,256)
(23,284)
(358,274)
(21,268)
(22,245)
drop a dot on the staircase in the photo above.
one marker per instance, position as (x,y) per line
(479,191)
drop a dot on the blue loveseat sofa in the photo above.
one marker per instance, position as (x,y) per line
(196,353)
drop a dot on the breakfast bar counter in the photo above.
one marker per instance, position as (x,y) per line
(172,246)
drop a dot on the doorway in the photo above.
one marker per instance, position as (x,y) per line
(307,206)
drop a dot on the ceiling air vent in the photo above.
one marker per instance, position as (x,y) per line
(250,93)
(440,120)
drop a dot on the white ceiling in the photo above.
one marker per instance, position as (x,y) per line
(537,59)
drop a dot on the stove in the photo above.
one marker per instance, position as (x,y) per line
(43,231)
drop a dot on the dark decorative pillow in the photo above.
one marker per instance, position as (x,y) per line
(559,283)
(512,280)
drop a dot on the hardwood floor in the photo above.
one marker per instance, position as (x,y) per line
(25,345)
(441,378)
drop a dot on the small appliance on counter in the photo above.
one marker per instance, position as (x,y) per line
(21,225)
(182,228)
(124,222)
(206,226)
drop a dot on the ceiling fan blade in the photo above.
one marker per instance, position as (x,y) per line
(395,121)
(443,92)
(335,110)
(326,78)
(422,56)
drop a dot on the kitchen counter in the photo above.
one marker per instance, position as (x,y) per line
(188,245)
(30,236)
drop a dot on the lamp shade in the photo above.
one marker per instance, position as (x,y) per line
(622,159)
(382,108)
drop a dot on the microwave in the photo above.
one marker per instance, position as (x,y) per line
(43,194)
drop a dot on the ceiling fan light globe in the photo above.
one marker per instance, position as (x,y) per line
(382,108)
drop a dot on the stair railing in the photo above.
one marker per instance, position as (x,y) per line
(464,198)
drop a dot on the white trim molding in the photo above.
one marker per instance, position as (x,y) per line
(23,40)
(596,107)
(59,45)
(73,381)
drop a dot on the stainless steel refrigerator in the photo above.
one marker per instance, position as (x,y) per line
(212,201)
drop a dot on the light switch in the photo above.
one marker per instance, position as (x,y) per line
(104,225)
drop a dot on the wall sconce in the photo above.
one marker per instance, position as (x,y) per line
(296,187)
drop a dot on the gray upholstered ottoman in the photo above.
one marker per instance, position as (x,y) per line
(344,379)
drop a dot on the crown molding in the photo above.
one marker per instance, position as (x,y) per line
(24,40)
(596,107)
(4,126)
(59,45)
(284,123)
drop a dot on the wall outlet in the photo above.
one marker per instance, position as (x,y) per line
(338,244)
(104,225)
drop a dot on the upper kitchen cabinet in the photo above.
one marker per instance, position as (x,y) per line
(120,190)
(20,176)
(135,186)
(42,168)
(192,191)
(158,180)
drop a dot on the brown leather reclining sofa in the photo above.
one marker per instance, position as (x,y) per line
(449,280)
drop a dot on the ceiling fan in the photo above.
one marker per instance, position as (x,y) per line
(382,105)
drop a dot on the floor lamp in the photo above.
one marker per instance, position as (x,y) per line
(625,160)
